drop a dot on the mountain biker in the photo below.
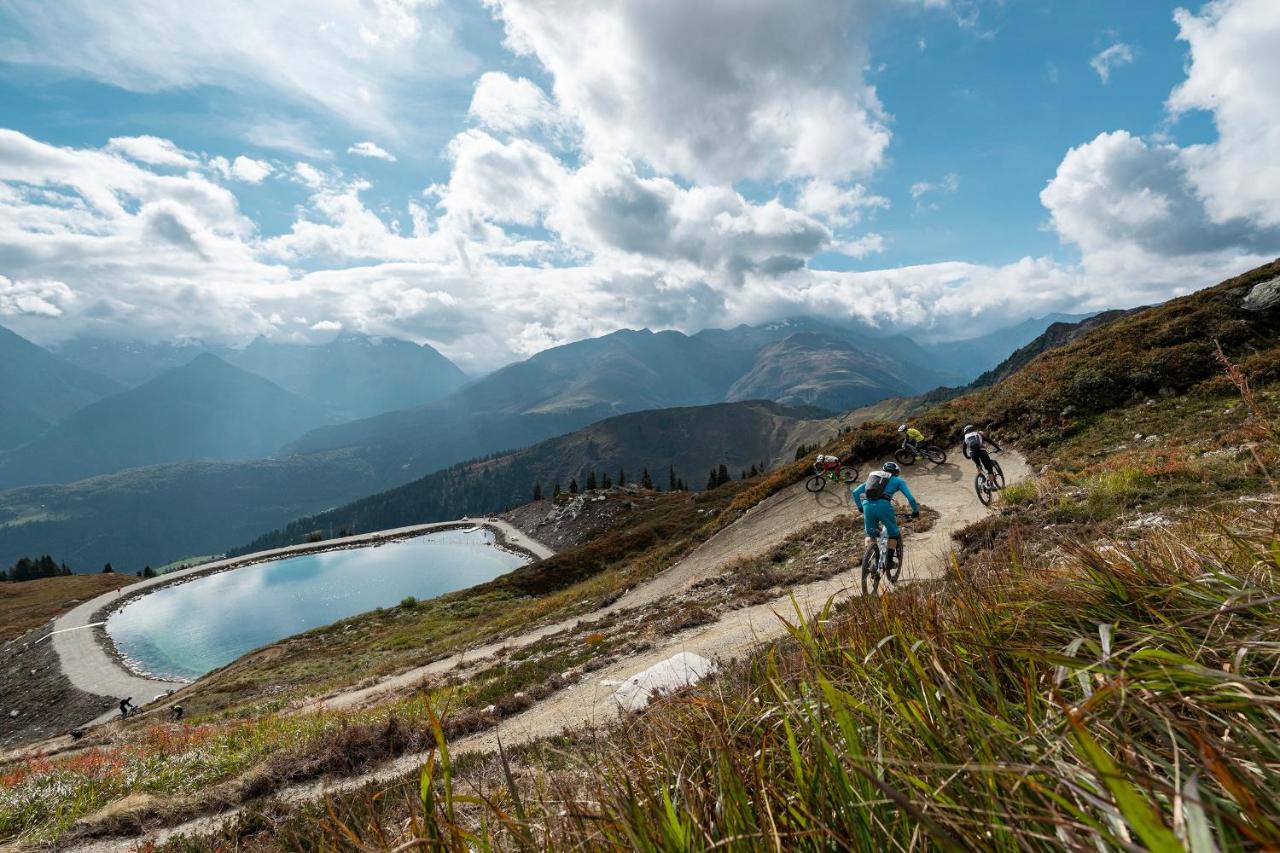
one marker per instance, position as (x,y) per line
(914,435)
(126,706)
(975,448)
(876,510)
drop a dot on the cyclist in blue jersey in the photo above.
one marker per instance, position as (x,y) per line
(874,499)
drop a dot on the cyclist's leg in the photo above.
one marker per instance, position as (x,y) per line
(882,512)
(981,459)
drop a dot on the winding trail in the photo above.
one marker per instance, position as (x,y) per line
(91,668)
(946,488)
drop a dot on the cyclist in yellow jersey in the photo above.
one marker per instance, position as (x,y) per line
(915,436)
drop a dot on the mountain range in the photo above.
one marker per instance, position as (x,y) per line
(37,389)
(176,427)
(204,410)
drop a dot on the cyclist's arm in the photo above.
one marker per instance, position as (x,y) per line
(906,491)
(992,442)
(857,496)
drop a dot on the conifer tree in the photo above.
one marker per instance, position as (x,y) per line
(107,570)
(555,490)
(592,485)
(573,485)
(622,477)
(537,491)
(712,482)
(671,478)
(722,475)
(646,482)
(608,481)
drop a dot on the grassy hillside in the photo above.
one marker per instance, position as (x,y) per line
(690,440)
(28,604)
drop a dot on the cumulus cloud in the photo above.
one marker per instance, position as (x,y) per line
(1110,58)
(242,168)
(33,298)
(370,149)
(1233,73)
(151,150)
(357,59)
(773,95)
(835,204)
(326,326)
(511,104)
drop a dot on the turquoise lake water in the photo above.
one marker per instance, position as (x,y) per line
(183,631)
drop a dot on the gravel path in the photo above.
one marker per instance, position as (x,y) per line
(90,668)
(946,488)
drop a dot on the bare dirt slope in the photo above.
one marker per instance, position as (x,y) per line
(946,488)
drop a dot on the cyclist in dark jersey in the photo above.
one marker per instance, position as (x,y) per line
(975,448)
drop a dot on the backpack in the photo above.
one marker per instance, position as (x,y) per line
(877,482)
(973,440)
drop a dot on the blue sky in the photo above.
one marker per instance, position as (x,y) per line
(546,171)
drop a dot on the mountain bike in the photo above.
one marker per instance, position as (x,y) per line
(909,452)
(987,483)
(873,563)
(831,471)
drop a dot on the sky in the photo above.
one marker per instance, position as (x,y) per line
(495,177)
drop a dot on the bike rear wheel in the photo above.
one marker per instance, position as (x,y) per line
(870,566)
(904,456)
(936,455)
(816,483)
(849,475)
(895,571)
(984,491)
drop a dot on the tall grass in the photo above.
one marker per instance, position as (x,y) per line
(1111,697)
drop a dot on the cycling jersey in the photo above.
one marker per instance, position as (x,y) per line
(878,512)
(915,435)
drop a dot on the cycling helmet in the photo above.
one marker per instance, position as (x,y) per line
(968,428)
(891,467)
(902,428)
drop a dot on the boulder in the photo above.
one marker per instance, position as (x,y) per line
(678,671)
(1263,296)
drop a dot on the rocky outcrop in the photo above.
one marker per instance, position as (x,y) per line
(1263,296)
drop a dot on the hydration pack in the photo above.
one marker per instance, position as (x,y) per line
(877,482)
(973,440)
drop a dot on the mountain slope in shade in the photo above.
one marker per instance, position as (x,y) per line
(355,376)
(567,387)
(1056,335)
(974,356)
(37,388)
(206,410)
(692,440)
(161,513)
(815,369)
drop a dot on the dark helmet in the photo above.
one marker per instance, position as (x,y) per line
(891,467)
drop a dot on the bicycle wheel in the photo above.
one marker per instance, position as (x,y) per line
(984,491)
(904,456)
(997,474)
(848,475)
(936,455)
(896,571)
(816,483)
(870,576)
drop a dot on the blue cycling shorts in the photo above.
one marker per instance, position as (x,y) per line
(876,513)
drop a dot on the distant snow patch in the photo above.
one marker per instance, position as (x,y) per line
(678,671)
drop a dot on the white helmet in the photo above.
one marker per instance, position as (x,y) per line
(902,428)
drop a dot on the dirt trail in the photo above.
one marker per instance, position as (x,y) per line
(946,488)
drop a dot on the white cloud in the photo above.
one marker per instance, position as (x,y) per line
(1233,73)
(244,169)
(33,298)
(357,59)
(151,150)
(370,149)
(772,95)
(1111,58)
(511,104)
(326,326)
(837,205)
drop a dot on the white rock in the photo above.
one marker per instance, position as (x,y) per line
(675,672)
(13,713)
(824,557)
